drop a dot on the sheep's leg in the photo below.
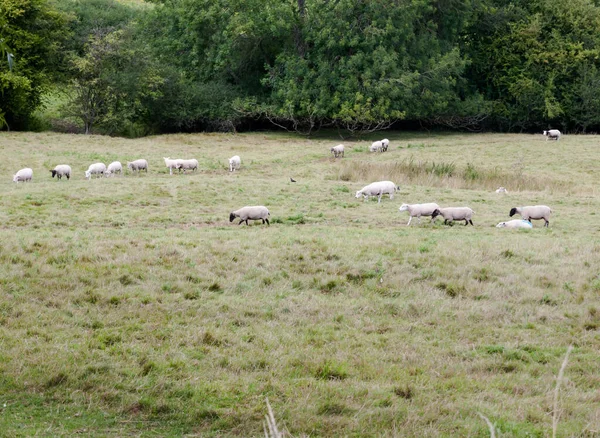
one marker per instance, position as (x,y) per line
(268,222)
(419,220)
(379,198)
(241,221)
(547,223)
(466,222)
(409,219)
(471,222)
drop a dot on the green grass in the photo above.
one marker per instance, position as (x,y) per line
(130,306)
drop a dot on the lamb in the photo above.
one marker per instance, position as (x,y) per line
(96,168)
(114,167)
(454,214)
(172,164)
(515,223)
(255,213)
(138,165)
(188,165)
(501,190)
(235,163)
(337,150)
(376,146)
(533,212)
(61,170)
(553,134)
(384,145)
(24,175)
(378,189)
(418,210)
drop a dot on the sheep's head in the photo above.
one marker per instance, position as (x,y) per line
(231,217)
(15,178)
(513,211)
(501,225)
(403,207)
(435,213)
(53,172)
(545,132)
(87,174)
(359,194)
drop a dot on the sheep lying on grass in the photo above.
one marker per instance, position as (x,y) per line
(502,190)
(553,134)
(254,213)
(337,150)
(138,165)
(114,167)
(515,223)
(235,163)
(61,170)
(23,175)
(378,189)
(533,212)
(418,210)
(95,169)
(451,214)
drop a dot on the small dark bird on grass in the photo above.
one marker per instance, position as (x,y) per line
(292,180)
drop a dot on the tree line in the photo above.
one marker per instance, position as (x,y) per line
(135,68)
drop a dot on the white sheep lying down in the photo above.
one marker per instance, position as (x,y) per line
(552,134)
(454,214)
(114,167)
(95,169)
(378,189)
(61,170)
(138,165)
(254,213)
(533,212)
(337,150)
(418,210)
(235,163)
(24,175)
(515,223)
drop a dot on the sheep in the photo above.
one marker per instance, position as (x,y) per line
(138,165)
(235,163)
(24,175)
(337,150)
(96,168)
(114,167)
(418,210)
(376,146)
(188,165)
(553,134)
(384,145)
(515,223)
(255,213)
(501,190)
(378,189)
(172,164)
(533,212)
(454,214)
(61,170)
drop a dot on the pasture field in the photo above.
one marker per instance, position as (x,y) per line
(130,306)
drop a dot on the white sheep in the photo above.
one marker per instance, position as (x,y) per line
(502,190)
(533,212)
(138,165)
(378,189)
(235,163)
(95,169)
(188,165)
(418,210)
(172,164)
(337,150)
(376,146)
(454,214)
(385,143)
(24,175)
(515,223)
(114,167)
(254,213)
(61,170)
(552,134)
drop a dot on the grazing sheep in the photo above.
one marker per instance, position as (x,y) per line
(254,213)
(378,189)
(337,150)
(61,170)
(553,134)
(385,143)
(501,190)
(138,165)
(454,214)
(235,163)
(418,210)
(188,165)
(376,146)
(25,175)
(533,212)
(515,223)
(172,164)
(95,169)
(114,167)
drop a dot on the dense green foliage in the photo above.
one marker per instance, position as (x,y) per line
(135,67)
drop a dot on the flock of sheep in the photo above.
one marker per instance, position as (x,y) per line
(379,188)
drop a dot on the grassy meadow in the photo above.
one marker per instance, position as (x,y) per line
(130,306)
